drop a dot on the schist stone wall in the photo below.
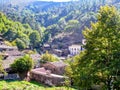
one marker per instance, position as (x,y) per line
(45,77)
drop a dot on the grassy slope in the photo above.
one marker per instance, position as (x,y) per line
(23,85)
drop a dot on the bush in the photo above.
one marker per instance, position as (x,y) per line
(20,44)
(22,66)
(47,57)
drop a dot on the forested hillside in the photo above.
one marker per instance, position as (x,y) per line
(18,34)
(59,23)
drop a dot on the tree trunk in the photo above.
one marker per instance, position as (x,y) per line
(23,75)
(110,83)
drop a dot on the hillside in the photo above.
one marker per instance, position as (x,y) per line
(18,34)
(59,23)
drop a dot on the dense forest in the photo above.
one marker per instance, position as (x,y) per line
(55,22)
(18,34)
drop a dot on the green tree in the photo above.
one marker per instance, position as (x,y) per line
(12,30)
(100,62)
(24,38)
(22,66)
(35,39)
(1,65)
(70,69)
(10,35)
(20,44)
(47,57)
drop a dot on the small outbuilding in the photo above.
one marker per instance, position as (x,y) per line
(44,76)
(57,67)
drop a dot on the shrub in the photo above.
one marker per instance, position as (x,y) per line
(47,57)
(22,65)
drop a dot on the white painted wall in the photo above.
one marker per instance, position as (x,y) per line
(75,49)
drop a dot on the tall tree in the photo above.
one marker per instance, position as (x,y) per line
(20,44)
(100,62)
(35,39)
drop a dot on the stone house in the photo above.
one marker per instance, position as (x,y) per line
(44,76)
(6,65)
(46,47)
(14,76)
(14,53)
(8,61)
(57,52)
(13,56)
(10,57)
(4,47)
(57,67)
(7,48)
(65,52)
(36,58)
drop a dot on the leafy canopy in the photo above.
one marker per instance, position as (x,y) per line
(100,62)
(23,64)
(47,57)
